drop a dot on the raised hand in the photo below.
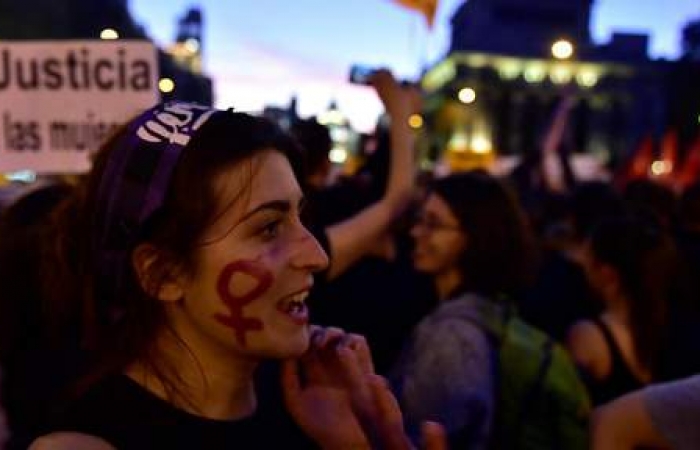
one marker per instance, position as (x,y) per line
(398,101)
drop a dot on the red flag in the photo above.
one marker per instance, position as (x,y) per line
(690,172)
(669,152)
(425,7)
(662,170)
(639,164)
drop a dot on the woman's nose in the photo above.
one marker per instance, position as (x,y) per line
(309,254)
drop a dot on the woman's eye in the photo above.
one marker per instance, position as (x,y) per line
(271,230)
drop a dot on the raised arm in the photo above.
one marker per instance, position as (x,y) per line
(553,170)
(362,233)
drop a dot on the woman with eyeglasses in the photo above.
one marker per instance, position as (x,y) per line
(471,237)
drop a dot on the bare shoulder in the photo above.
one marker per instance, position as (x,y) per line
(70,441)
(585,331)
(587,346)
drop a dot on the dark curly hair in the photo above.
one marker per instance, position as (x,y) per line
(500,253)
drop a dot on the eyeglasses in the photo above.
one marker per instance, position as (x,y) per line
(431,223)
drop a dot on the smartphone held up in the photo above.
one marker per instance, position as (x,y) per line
(360,74)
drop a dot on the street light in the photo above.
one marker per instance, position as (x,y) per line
(166,85)
(587,78)
(331,117)
(562,49)
(534,73)
(109,34)
(338,155)
(466,95)
(415,121)
(458,142)
(659,168)
(192,45)
(481,144)
(560,75)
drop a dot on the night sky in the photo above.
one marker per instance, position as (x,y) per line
(262,52)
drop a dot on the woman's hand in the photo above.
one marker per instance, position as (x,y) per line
(398,101)
(316,395)
(341,403)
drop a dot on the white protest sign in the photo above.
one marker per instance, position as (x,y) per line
(59,100)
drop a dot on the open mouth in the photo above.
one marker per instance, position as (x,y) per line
(294,307)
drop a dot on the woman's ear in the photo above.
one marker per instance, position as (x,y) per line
(609,277)
(164,285)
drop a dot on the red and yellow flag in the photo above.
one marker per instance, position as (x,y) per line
(638,165)
(425,7)
(690,172)
(669,151)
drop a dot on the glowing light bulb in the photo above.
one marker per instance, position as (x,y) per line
(166,85)
(467,95)
(415,121)
(562,49)
(109,34)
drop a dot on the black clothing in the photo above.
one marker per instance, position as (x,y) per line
(381,300)
(378,299)
(559,298)
(128,416)
(680,354)
(680,357)
(621,380)
(332,205)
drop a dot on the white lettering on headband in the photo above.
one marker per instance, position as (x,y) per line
(175,124)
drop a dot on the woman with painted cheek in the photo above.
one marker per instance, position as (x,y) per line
(253,268)
(189,266)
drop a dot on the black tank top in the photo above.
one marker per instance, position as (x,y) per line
(129,417)
(621,379)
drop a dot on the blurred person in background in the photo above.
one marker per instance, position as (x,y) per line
(649,199)
(662,416)
(688,237)
(370,287)
(38,360)
(561,294)
(632,265)
(457,367)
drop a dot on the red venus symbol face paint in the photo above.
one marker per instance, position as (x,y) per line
(235,303)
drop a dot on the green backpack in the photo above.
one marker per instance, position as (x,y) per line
(541,402)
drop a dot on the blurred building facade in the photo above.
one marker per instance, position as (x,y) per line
(87,19)
(683,86)
(691,41)
(496,89)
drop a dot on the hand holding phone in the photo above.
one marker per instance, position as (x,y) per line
(360,74)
